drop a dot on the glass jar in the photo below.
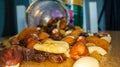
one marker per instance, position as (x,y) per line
(42,11)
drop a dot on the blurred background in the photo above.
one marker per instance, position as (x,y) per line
(104,13)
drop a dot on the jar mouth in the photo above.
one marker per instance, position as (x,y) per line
(41,11)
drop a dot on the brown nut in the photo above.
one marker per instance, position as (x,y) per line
(31,40)
(82,39)
(76,32)
(69,39)
(43,35)
(26,32)
(78,50)
(98,42)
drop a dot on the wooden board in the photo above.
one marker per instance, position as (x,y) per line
(68,63)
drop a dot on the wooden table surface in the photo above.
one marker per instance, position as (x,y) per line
(113,59)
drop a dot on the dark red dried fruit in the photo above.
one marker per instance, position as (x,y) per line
(11,56)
